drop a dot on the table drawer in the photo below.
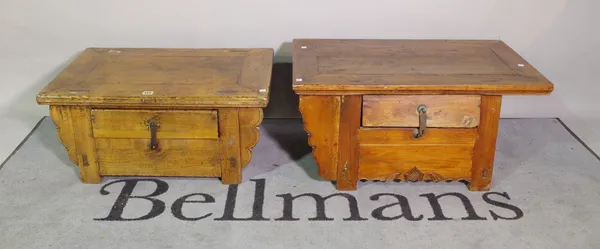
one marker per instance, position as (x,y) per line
(182,142)
(394,154)
(192,124)
(443,111)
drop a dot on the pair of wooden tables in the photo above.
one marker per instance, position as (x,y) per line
(411,110)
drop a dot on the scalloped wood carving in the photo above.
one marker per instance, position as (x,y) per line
(61,118)
(413,175)
(75,133)
(321,115)
(250,120)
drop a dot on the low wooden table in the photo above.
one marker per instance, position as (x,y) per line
(411,110)
(160,112)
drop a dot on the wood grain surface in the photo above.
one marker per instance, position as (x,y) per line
(250,120)
(120,143)
(229,125)
(363,66)
(75,132)
(321,117)
(61,116)
(176,157)
(485,146)
(404,136)
(164,77)
(115,123)
(393,154)
(451,111)
(348,153)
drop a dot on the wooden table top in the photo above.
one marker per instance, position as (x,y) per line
(164,77)
(354,66)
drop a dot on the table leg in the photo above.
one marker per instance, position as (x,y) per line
(347,169)
(75,132)
(485,146)
(229,127)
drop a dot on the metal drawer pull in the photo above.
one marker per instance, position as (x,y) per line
(419,132)
(153,127)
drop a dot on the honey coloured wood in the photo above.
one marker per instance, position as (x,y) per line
(160,112)
(114,123)
(410,110)
(176,157)
(163,77)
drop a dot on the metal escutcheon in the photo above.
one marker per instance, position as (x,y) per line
(419,132)
(153,124)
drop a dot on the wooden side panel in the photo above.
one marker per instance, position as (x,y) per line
(176,157)
(393,154)
(109,123)
(229,126)
(347,169)
(321,117)
(250,120)
(61,116)
(401,110)
(485,146)
(75,132)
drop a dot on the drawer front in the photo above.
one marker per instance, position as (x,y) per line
(394,154)
(443,111)
(185,142)
(176,157)
(193,124)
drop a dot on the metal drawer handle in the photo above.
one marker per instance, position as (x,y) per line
(419,132)
(153,127)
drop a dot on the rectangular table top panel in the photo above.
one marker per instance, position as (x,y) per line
(353,66)
(161,76)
